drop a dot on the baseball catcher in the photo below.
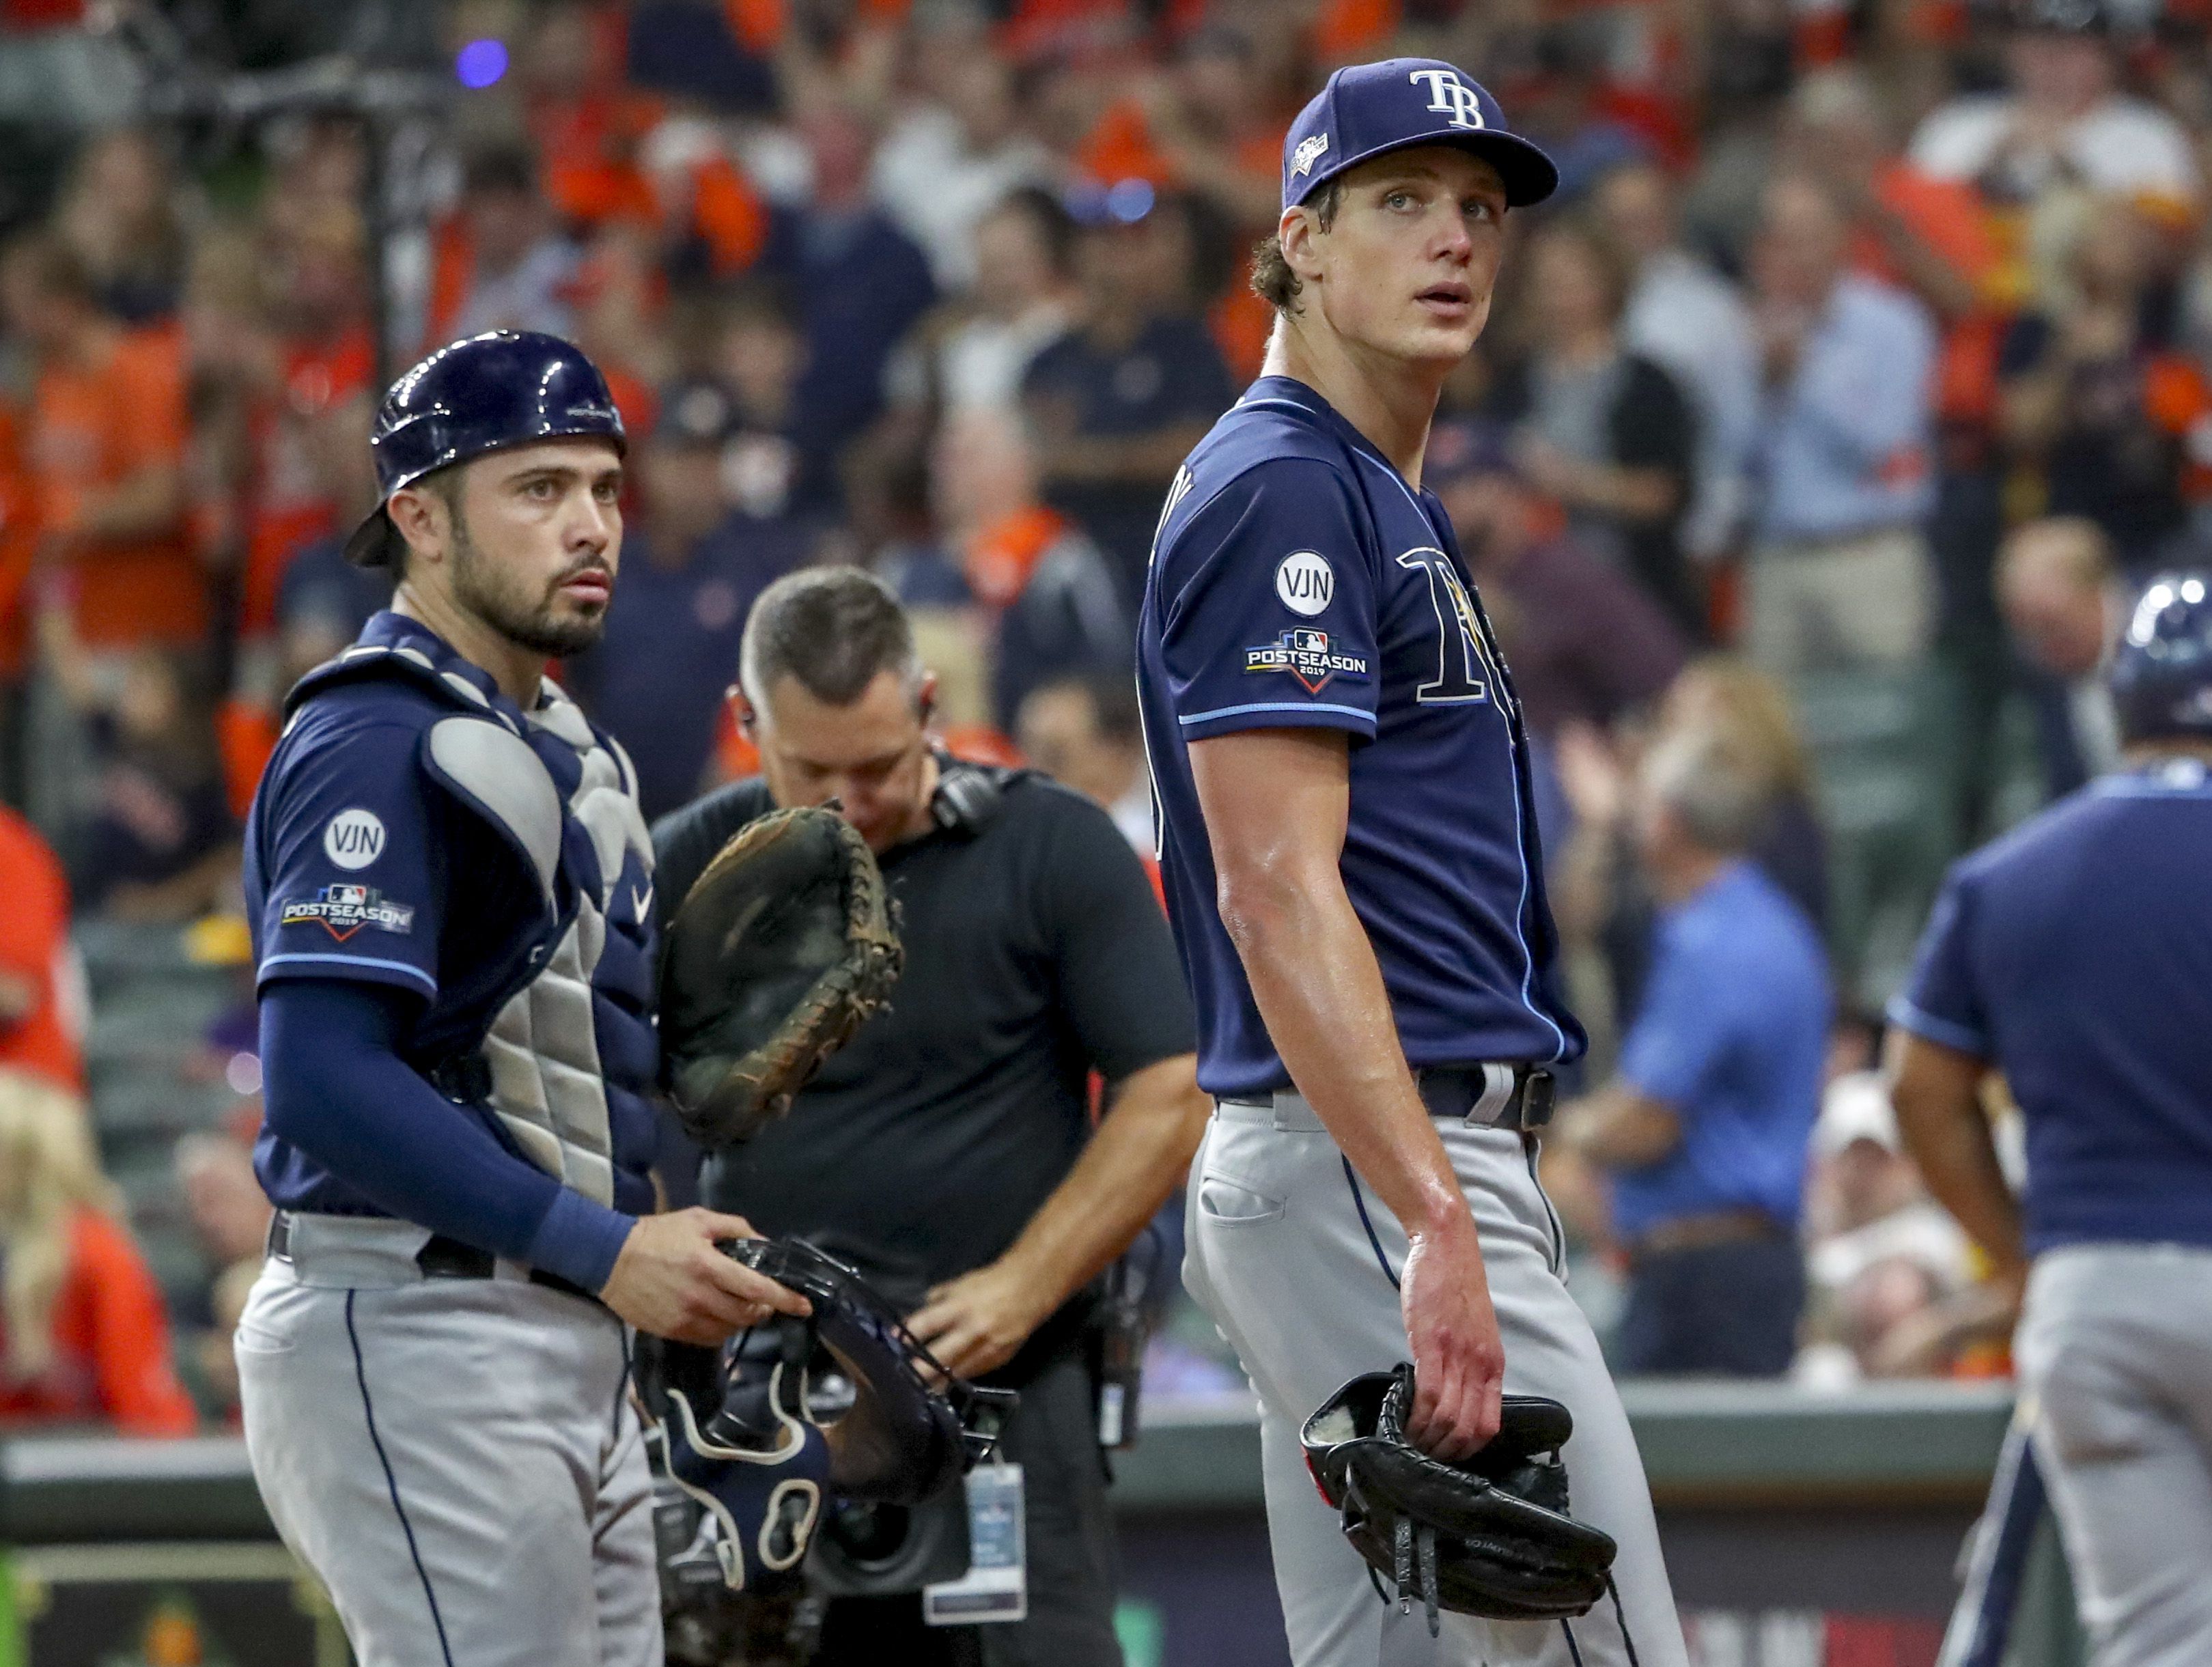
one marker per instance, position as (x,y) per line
(1487,1536)
(779,950)
(751,1443)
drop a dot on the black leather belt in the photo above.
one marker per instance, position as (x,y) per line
(1518,1097)
(440,1258)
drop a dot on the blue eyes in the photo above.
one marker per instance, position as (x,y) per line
(1475,208)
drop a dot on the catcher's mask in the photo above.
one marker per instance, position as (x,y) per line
(902,1430)
(1487,1536)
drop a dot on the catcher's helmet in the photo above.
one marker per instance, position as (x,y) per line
(2161,674)
(505,387)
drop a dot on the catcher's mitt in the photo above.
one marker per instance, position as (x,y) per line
(1487,1536)
(775,955)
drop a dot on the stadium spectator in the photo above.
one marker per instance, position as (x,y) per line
(1703,1128)
(41,981)
(858,281)
(945,166)
(691,568)
(1692,322)
(759,355)
(505,265)
(1602,893)
(118,215)
(2092,399)
(1048,601)
(230,1217)
(1604,432)
(1732,698)
(318,300)
(976,350)
(1839,576)
(1586,643)
(1889,1274)
(1119,400)
(2063,603)
(2063,119)
(1086,733)
(153,840)
(83,1335)
(1205,123)
(106,447)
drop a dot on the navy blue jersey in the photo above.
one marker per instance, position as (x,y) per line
(362,865)
(1298,581)
(2075,955)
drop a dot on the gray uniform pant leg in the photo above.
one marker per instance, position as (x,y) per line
(456,1461)
(1288,1254)
(2115,1349)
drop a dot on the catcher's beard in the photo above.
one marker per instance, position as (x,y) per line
(498,595)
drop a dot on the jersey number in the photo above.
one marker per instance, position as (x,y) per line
(1467,664)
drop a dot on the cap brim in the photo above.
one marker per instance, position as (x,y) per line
(371,542)
(1529,175)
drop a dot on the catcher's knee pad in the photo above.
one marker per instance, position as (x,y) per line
(1487,1536)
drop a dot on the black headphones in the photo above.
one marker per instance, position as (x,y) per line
(968,796)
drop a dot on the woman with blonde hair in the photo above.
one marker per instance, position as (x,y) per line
(83,1334)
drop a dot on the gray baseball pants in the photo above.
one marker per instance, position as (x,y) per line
(456,1459)
(1295,1260)
(2115,1352)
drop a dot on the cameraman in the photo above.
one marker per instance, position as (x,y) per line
(947,1151)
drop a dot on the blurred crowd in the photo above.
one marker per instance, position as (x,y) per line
(1865,356)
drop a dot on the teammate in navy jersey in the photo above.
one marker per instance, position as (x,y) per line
(1352,871)
(452,895)
(2075,957)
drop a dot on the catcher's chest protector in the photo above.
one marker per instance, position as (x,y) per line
(559,1052)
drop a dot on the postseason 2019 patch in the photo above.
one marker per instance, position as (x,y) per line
(1305,654)
(343,911)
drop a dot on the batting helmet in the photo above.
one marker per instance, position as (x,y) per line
(505,387)
(2161,674)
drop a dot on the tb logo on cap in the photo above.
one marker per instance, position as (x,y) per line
(1451,97)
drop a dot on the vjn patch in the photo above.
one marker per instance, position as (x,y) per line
(1306,656)
(343,911)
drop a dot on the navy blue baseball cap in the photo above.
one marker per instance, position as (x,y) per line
(1367,109)
(2162,671)
(505,387)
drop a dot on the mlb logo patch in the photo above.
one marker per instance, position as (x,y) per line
(1305,654)
(343,911)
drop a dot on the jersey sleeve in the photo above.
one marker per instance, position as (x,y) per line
(1942,999)
(1267,603)
(354,881)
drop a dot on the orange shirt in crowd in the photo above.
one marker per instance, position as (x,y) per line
(34,947)
(111,1342)
(1951,218)
(291,504)
(18,544)
(93,427)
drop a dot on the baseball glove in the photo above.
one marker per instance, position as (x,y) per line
(779,951)
(1487,1536)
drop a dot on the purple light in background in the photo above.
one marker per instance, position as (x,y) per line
(480,63)
(1129,200)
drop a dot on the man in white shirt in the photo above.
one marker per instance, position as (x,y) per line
(2063,121)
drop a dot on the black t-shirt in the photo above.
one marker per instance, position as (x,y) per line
(1036,952)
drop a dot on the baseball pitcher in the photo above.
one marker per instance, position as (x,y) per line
(1352,866)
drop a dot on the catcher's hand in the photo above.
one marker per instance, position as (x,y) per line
(1487,1536)
(779,951)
